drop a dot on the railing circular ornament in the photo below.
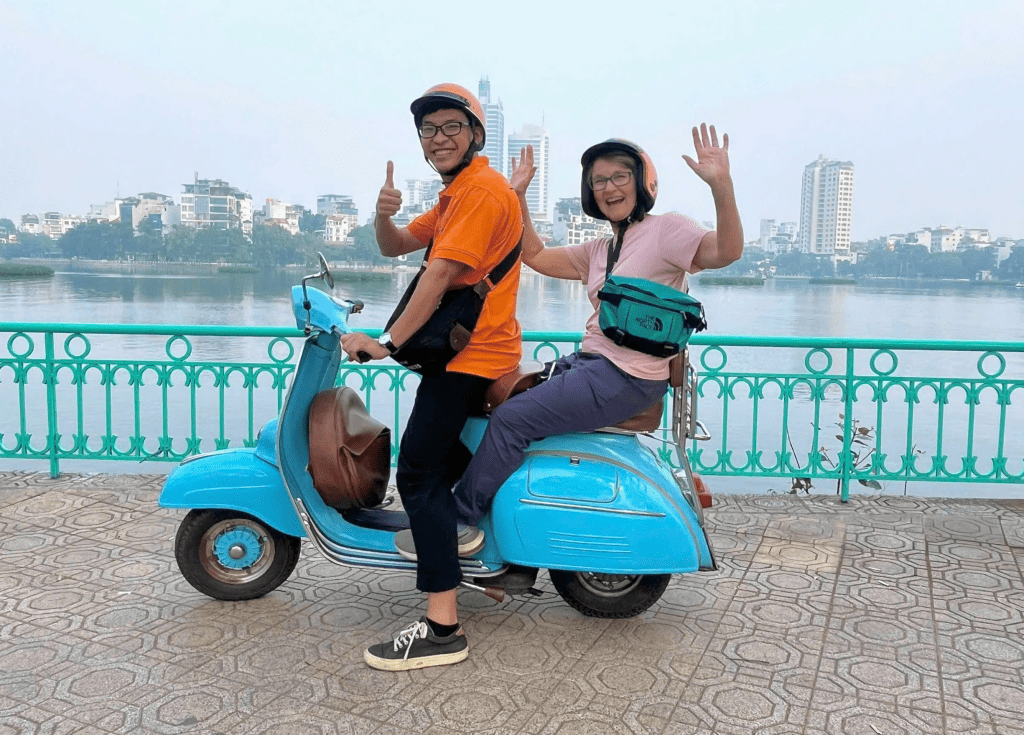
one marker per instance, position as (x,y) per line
(810,356)
(892,368)
(86,346)
(715,350)
(287,343)
(28,350)
(170,344)
(998,356)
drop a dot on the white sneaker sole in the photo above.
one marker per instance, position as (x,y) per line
(398,664)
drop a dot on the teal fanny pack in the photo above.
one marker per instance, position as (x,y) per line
(646,316)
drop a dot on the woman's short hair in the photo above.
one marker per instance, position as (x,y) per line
(621,158)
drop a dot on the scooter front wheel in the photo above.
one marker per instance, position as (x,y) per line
(609,595)
(232,556)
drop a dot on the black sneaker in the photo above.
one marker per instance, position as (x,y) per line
(417,647)
(471,540)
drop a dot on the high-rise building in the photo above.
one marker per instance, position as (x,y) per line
(826,208)
(422,193)
(215,203)
(494,148)
(768,230)
(537,194)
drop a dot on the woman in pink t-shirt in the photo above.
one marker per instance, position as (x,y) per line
(604,383)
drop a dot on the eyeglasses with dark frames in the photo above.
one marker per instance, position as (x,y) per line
(450,129)
(619,178)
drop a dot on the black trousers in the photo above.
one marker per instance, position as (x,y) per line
(431,459)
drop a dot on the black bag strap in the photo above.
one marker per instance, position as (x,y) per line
(493,278)
(614,250)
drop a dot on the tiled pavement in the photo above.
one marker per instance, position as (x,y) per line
(883,616)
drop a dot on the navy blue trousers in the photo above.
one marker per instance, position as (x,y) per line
(585,392)
(431,458)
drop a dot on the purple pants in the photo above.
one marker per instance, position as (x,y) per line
(585,392)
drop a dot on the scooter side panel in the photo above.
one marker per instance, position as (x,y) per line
(568,510)
(234,479)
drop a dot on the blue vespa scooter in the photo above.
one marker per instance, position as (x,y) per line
(600,511)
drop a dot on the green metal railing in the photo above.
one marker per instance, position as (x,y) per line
(813,410)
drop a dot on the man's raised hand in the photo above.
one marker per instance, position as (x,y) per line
(389,201)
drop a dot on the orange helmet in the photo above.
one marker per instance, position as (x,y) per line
(449,96)
(646,178)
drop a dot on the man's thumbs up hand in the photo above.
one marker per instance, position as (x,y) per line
(389,201)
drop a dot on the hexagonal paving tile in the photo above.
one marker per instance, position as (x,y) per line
(824,617)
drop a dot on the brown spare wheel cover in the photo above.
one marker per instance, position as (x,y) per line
(349,451)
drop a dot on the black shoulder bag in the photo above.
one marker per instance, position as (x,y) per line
(450,327)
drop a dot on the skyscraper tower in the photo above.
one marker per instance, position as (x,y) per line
(494,149)
(826,207)
(537,194)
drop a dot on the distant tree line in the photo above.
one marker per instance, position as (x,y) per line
(269,246)
(904,261)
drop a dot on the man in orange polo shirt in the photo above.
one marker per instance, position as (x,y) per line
(475,225)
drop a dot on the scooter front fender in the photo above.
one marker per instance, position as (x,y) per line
(233,479)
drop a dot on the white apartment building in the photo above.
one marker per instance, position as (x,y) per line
(155,207)
(280,214)
(947,239)
(30,224)
(338,227)
(328,204)
(494,147)
(826,208)
(55,224)
(979,235)
(922,238)
(1004,246)
(106,212)
(215,203)
(537,194)
(776,237)
(573,227)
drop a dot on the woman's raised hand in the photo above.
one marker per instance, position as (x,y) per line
(522,174)
(712,164)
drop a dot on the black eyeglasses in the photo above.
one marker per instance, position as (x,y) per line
(451,129)
(619,178)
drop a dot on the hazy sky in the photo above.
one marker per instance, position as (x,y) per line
(291,100)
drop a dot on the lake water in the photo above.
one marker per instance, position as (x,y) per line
(781,307)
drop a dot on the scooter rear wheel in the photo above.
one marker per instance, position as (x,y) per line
(609,595)
(232,556)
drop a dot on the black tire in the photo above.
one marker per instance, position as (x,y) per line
(609,595)
(232,556)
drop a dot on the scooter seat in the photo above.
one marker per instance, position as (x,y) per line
(530,372)
(526,375)
(644,422)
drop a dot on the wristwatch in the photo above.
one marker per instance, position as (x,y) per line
(385,341)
